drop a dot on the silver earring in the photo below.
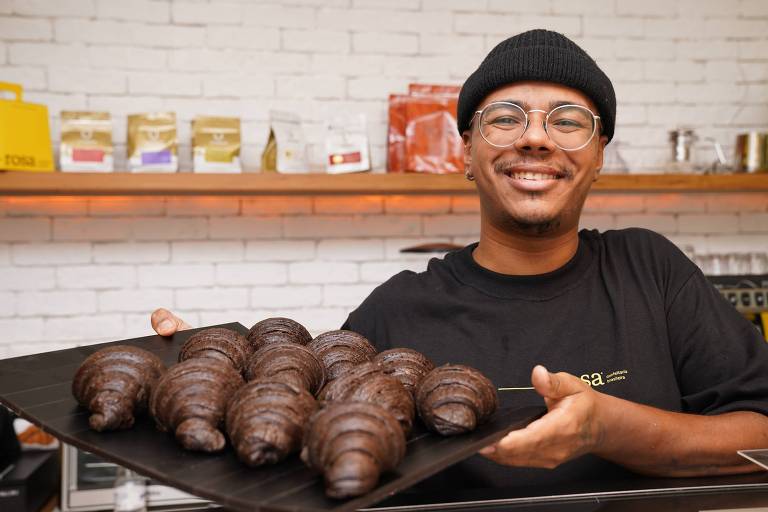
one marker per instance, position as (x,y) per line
(469,176)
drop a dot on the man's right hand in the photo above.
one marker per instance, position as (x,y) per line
(166,323)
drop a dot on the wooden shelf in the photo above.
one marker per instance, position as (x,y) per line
(92,184)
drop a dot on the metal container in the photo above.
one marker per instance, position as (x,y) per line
(750,152)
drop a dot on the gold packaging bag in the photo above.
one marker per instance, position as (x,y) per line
(152,145)
(216,144)
(86,142)
(286,149)
(25,137)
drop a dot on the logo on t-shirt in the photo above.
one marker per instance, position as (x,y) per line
(602,378)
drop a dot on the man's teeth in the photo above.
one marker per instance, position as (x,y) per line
(533,176)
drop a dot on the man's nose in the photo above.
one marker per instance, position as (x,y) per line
(535,137)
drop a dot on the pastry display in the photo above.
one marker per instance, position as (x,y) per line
(266,420)
(277,330)
(454,399)
(114,383)
(351,444)
(287,362)
(406,365)
(218,343)
(341,350)
(190,400)
(367,382)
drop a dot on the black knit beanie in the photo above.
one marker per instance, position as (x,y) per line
(539,55)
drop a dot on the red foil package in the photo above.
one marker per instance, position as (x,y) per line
(422,135)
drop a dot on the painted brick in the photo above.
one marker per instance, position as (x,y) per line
(656,222)
(375,87)
(239,85)
(211,318)
(614,203)
(316,41)
(17,330)
(350,249)
(753,222)
(280,250)
(25,29)
(87,80)
(281,16)
(117,206)
(205,13)
(175,276)
(127,57)
(451,44)
(172,84)
(482,24)
(417,204)
(144,301)
(393,246)
(455,5)
(22,229)
(130,252)
(319,320)
(394,44)
(598,222)
(169,228)
(387,21)
(465,204)
(644,49)
(237,37)
(31,78)
(90,328)
(49,205)
(96,276)
(720,223)
(678,71)
(449,225)
(7,304)
(583,7)
(672,28)
(212,298)
(346,295)
(602,26)
(30,54)
(5,254)
(348,204)
(244,227)
(749,8)
(20,278)
(318,86)
(238,274)
(671,203)
(521,6)
(153,12)
(51,254)
(286,297)
(736,202)
(275,205)
(648,92)
(388,4)
(351,226)
(741,243)
(71,8)
(322,272)
(696,50)
(208,251)
(651,8)
(195,206)
(734,28)
(378,272)
(347,65)
(56,303)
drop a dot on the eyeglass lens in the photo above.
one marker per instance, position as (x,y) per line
(569,126)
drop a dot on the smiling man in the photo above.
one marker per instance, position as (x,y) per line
(642,365)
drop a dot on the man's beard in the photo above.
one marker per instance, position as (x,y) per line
(532,226)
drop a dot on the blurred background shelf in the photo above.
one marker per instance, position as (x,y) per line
(94,184)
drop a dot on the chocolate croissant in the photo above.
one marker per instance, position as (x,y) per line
(114,383)
(341,350)
(266,421)
(287,362)
(277,330)
(454,399)
(406,365)
(367,382)
(190,399)
(218,343)
(351,444)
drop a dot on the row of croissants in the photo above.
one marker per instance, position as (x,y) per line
(278,391)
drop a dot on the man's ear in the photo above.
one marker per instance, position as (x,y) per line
(467,138)
(601,143)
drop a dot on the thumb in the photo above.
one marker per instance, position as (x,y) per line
(555,385)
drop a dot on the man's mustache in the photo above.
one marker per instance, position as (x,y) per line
(506,166)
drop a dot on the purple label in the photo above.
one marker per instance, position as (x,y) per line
(156,157)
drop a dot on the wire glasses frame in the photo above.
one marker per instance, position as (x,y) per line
(495,104)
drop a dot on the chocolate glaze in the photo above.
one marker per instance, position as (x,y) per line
(190,400)
(114,383)
(406,365)
(454,399)
(367,382)
(341,350)
(218,343)
(277,330)
(351,444)
(287,362)
(266,420)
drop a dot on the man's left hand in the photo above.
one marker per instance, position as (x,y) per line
(570,427)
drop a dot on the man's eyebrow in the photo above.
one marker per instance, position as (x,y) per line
(554,104)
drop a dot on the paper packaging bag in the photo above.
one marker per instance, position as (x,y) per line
(152,145)
(346,145)
(25,137)
(286,149)
(216,144)
(86,142)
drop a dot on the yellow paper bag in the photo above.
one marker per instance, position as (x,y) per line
(25,138)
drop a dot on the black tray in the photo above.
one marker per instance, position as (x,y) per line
(37,388)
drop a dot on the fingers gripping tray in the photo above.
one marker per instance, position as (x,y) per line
(38,388)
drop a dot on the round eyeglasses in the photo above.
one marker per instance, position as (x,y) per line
(569,127)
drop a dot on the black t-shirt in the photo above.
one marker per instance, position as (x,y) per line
(629,314)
